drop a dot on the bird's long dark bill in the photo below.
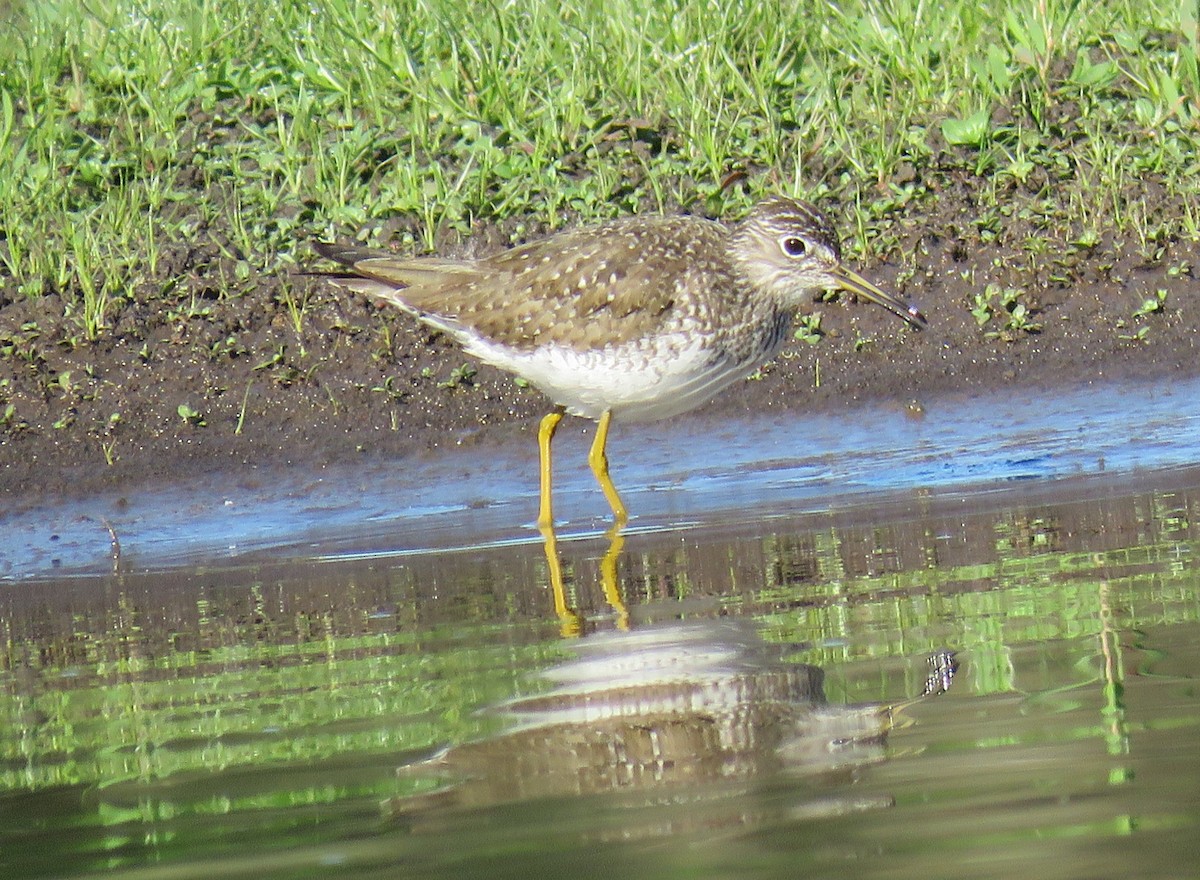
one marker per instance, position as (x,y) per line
(855,283)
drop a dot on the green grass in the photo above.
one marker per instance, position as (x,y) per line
(128,129)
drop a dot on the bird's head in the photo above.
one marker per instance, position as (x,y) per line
(788,248)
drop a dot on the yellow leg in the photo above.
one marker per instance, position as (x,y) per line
(598,460)
(608,576)
(572,626)
(545,435)
(599,463)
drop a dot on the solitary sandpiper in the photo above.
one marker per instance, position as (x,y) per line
(635,320)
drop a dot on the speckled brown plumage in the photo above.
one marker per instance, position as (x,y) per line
(592,287)
(581,289)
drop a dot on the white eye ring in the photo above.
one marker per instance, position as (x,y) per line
(794,246)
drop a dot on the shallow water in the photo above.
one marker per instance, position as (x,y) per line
(371,699)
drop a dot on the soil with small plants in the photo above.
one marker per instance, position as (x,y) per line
(291,370)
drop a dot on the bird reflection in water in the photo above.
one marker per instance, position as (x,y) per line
(706,712)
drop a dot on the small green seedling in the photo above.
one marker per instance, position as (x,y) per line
(191,416)
(1017,316)
(1152,305)
(808,328)
(459,376)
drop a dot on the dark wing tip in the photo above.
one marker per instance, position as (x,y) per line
(345,254)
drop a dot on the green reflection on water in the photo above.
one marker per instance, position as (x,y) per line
(154,708)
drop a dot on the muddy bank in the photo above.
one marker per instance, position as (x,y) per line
(290,369)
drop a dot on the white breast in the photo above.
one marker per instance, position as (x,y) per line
(640,381)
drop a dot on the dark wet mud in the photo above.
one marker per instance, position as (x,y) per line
(290,370)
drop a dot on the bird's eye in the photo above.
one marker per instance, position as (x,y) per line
(795,247)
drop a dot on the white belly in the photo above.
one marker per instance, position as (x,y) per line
(638,382)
